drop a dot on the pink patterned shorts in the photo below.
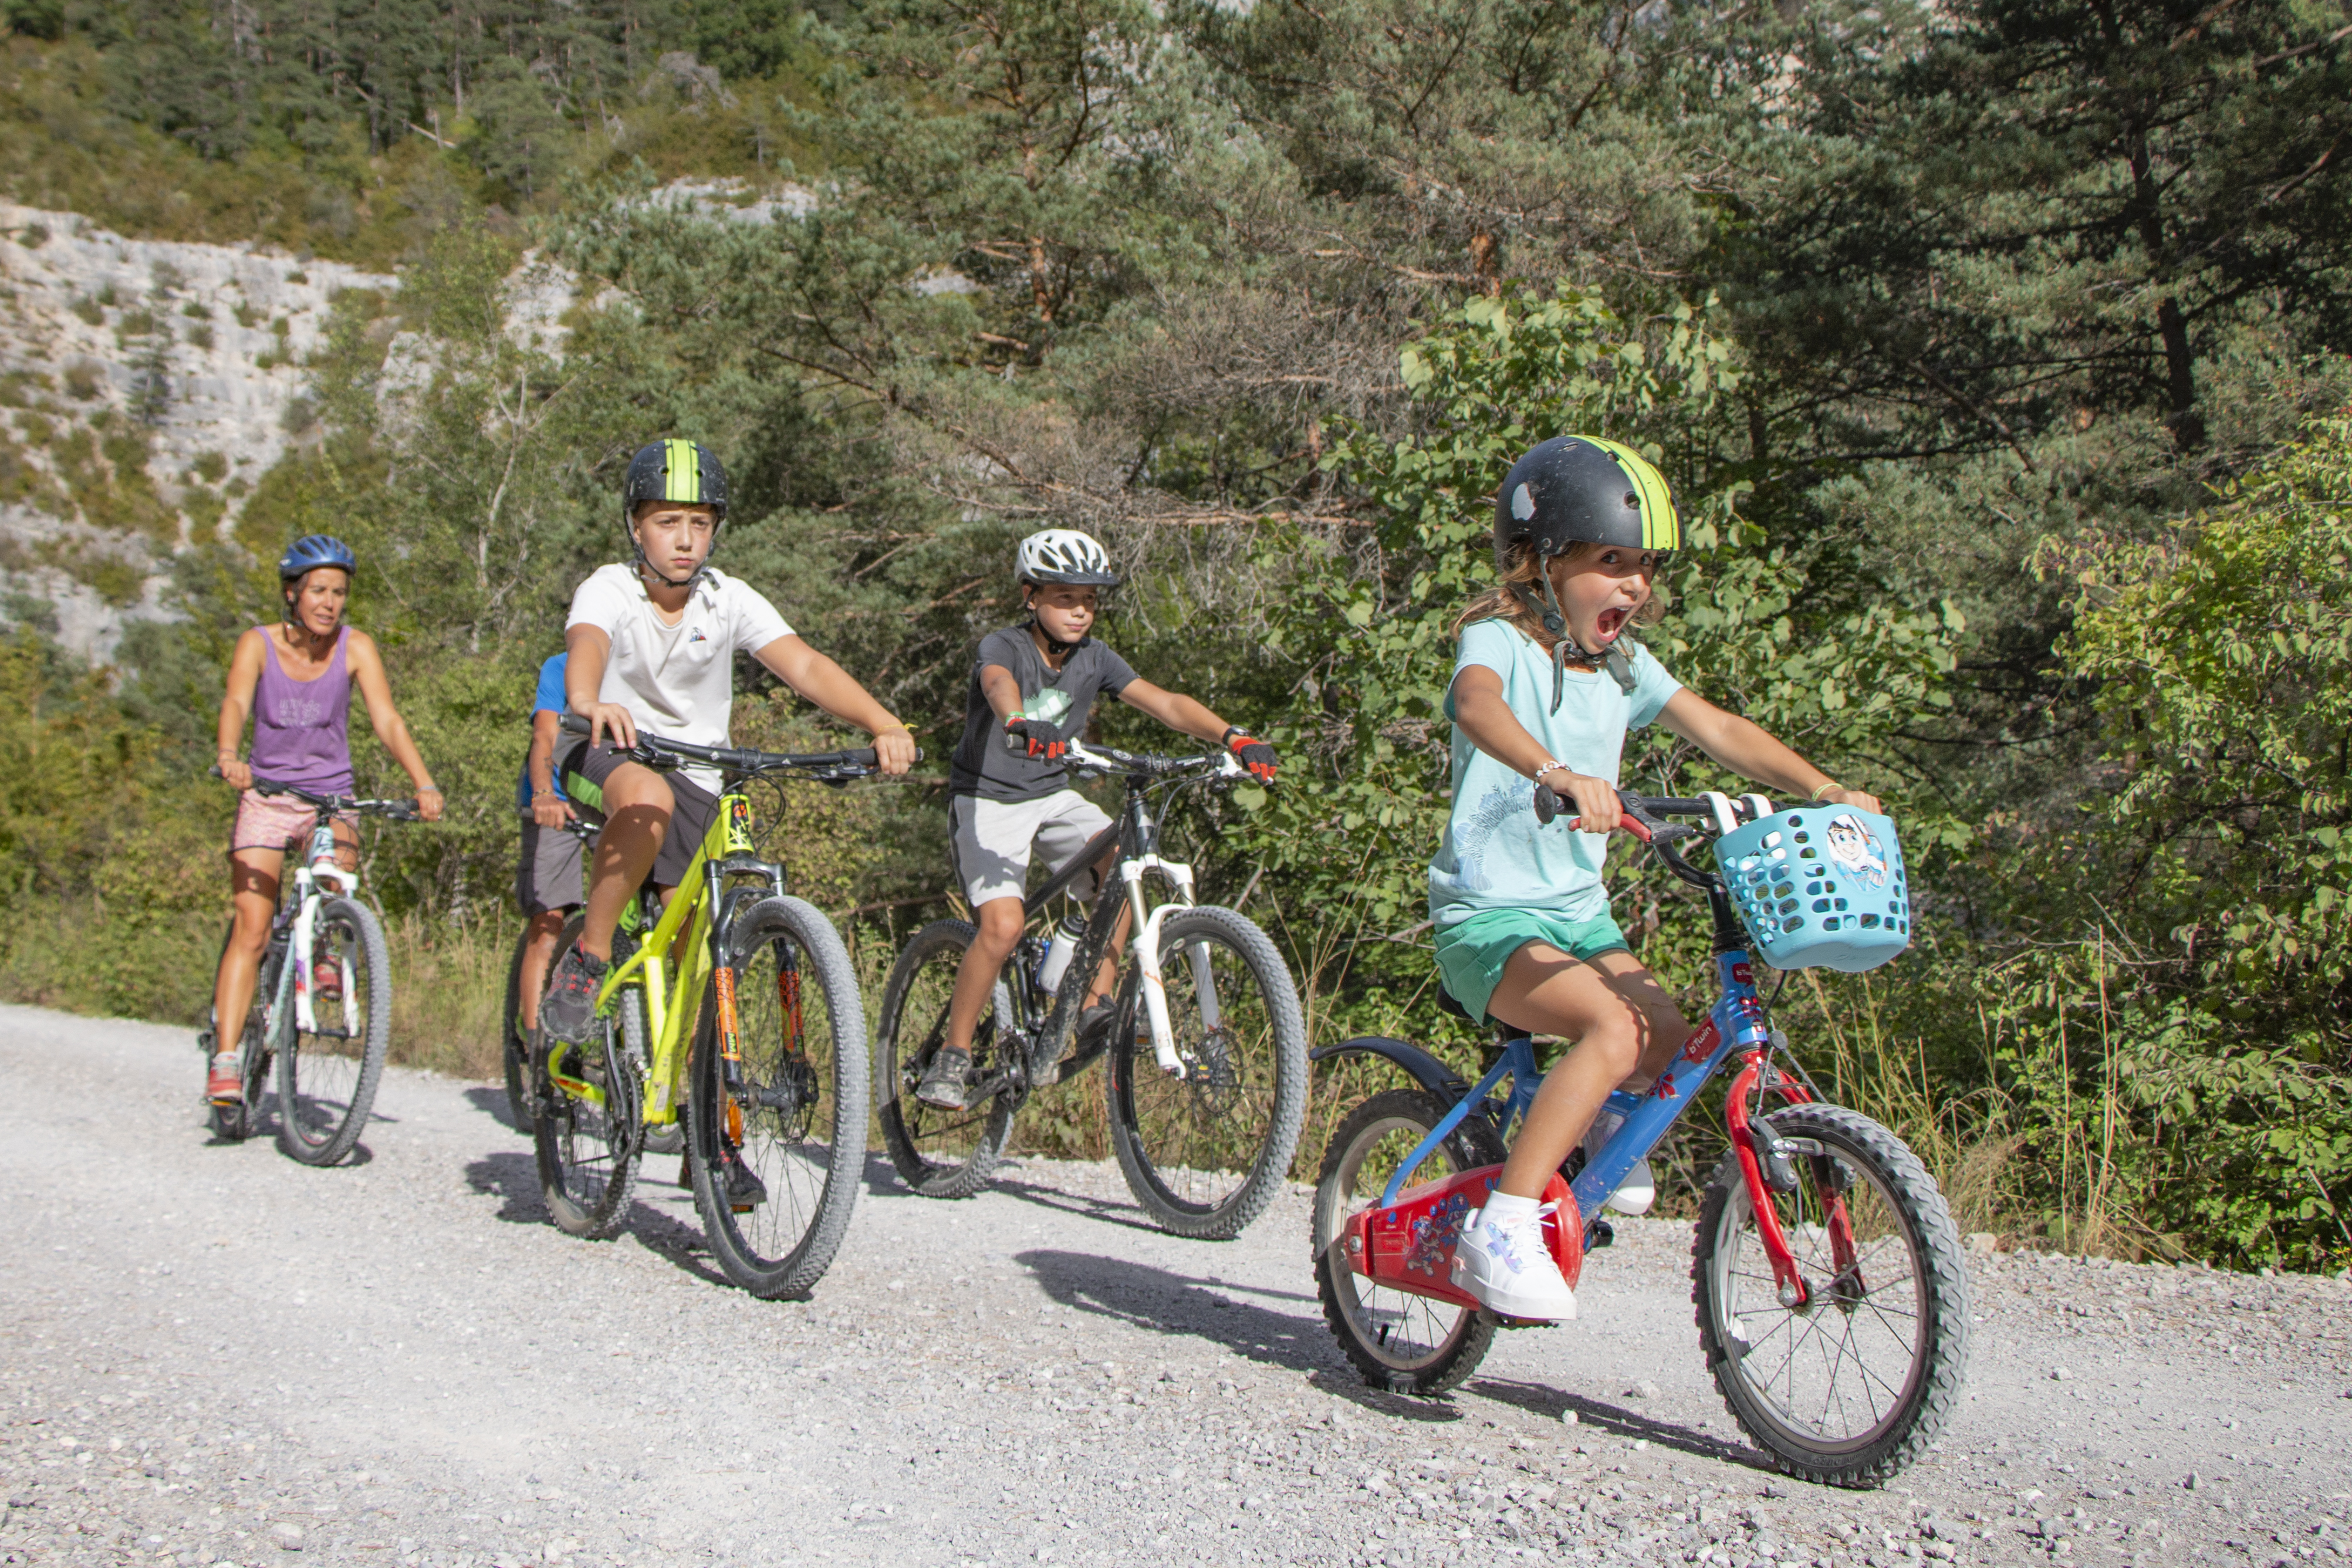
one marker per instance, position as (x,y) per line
(272,822)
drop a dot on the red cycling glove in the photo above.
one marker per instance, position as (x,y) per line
(1255,755)
(1035,738)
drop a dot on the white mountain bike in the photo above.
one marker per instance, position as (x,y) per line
(321,1007)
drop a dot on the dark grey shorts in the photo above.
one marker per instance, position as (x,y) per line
(548,875)
(694,808)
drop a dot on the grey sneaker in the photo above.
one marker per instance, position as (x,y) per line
(948,1082)
(568,1011)
(1096,1021)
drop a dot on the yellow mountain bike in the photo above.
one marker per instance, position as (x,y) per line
(734,1007)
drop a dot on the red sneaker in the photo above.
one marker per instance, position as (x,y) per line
(327,978)
(225,1082)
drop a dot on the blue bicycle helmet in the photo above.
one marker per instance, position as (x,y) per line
(312,551)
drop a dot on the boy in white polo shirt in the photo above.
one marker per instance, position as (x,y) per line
(653,643)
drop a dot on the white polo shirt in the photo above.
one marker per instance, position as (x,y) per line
(676,681)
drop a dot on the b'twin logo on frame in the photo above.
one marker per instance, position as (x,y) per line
(1743,975)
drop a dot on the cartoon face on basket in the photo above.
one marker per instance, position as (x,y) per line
(1853,851)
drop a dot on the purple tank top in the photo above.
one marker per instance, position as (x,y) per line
(298,726)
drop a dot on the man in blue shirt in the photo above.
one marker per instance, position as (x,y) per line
(547,877)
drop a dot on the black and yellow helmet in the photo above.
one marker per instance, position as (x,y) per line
(676,470)
(1579,490)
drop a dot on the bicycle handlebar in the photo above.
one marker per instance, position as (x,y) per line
(1109,759)
(661,752)
(398,810)
(1645,814)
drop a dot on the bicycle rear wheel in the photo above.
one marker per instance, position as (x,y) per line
(1400,1341)
(1205,1151)
(939,1154)
(1851,1386)
(327,1076)
(238,1120)
(514,1051)
(587,1119)
(776,1140)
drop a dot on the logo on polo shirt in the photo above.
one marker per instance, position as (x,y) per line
(695,635)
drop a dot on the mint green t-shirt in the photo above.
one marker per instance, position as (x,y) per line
(1494,855)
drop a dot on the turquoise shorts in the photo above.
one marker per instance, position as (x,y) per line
(1471,952)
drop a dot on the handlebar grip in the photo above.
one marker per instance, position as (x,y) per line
(1548,805)
(572,724)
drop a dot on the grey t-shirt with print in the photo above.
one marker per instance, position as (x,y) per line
(983,765)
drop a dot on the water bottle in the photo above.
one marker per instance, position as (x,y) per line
(1057,961)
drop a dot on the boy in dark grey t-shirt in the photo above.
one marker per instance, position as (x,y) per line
(1033,690)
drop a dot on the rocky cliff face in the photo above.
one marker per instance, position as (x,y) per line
(145,386)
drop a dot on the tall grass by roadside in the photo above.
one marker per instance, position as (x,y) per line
(449,988)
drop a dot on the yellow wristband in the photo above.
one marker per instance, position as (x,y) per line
(1825,789)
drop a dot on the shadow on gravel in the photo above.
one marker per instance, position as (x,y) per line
(1548,1403)
(1107,1211)
(1158,1301)
(488,1098)
(513,1180)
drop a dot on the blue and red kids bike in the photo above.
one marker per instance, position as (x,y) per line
(1832,1302)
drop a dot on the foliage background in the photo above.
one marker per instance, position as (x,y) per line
(1995,351)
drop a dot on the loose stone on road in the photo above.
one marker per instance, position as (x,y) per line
(210,1353)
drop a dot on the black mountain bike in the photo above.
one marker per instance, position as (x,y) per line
(1207,1084)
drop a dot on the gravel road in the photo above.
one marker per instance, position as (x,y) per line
(209,1353)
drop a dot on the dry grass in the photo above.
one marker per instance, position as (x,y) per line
(449,985)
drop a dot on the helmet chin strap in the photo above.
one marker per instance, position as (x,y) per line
(1555,621)
(645,565)
(1055,646)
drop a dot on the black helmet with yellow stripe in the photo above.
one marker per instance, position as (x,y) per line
(1580,490)
(679,472)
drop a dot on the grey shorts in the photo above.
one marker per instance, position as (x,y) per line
(548,875)
(693,808)
(992,841)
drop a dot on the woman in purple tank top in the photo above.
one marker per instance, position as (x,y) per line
(294,680)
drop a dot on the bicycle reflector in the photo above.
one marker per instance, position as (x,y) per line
(1819,887)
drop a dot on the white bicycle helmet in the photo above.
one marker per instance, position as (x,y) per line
(1066,556)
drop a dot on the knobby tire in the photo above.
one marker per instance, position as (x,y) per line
(1401,1344)
(326,1085)
(802,1029)
(1205,1153)
(588,1153)
(1909,1280)
(939,1154)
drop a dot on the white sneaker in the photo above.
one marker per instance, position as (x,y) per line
(1639,1190)
(1636,1192)
(1511,1271)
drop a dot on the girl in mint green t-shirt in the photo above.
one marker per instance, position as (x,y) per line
(1545,687)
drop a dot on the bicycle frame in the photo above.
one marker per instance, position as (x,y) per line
(1736,1025)
(675,962)
(296,918)
(1135,838)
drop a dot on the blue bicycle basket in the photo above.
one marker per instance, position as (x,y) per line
(1819,887)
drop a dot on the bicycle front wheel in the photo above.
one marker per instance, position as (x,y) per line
(1401,1342)
(941,1153)
(327,1076)
(1206,1148)
(776,1140)
(587,1117)
(1851,1384)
